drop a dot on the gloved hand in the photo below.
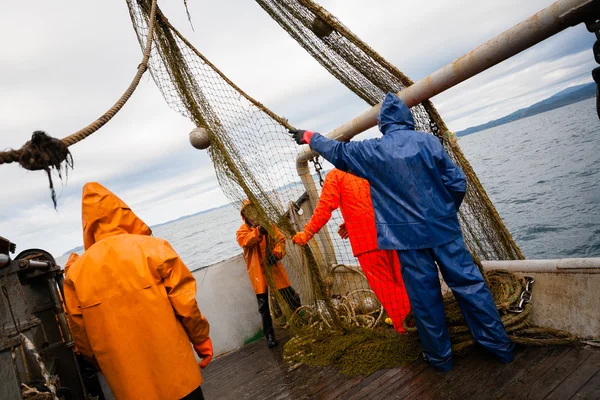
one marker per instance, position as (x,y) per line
(262,230)
(302,238)
(342,231)
(301,136)
(204,351)
(271,259)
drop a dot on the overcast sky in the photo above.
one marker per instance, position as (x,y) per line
(65,62)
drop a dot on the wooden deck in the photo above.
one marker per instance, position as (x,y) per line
(255,372)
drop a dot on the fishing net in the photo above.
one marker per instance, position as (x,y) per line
(344,301)
(370,76)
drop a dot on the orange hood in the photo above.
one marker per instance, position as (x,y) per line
(72,258)
(103,214)
(245,204)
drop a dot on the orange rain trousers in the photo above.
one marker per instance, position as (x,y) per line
(382,270)
(352,195)
(132,305)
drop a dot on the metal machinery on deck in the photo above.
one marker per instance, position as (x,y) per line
(32,323)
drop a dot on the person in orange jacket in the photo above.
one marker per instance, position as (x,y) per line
(263,251)
(381,267)
(132,307)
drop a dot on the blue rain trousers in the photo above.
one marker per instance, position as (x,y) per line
(474,298)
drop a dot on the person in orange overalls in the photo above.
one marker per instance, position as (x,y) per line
(132,307)
(381,267)
(263,251)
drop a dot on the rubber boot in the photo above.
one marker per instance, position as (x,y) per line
(265,313)
(440,367)
(271,341)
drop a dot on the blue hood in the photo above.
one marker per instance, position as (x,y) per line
(394,113)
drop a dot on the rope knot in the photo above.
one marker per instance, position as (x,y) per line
(44,152)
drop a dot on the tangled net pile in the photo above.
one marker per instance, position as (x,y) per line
(254,159)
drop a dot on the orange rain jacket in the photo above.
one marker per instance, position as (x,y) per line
(70,261)
(132,304)
(353,196)
(255,248)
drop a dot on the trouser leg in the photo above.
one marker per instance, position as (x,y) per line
(424,291)
(195,395)
(89,375)
(474,298)
(265,314)
(379,267)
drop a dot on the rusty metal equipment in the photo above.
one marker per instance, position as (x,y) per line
(31,313)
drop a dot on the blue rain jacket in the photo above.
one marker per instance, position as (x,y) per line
(415,187)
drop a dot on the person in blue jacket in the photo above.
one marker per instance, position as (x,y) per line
(416,191)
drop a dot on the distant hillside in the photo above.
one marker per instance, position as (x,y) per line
(190,216)
(74,250)
(560,99)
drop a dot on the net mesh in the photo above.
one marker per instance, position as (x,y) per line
(254,159)
(370,76)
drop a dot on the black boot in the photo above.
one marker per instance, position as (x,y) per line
(271,341)
(263,309)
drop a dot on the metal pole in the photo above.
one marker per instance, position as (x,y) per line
(563,265)
(542,25)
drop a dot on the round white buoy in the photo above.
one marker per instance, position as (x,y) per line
(199,138)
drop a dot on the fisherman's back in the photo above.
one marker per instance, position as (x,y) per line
(139,343)
(357,209)
(132,306)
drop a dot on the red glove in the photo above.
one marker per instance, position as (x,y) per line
(301,136)
(204,351)
(342,231)
(302,238)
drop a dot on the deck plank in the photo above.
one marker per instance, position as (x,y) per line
(422,379)
(391,378)
(464,370)
(591,390)
(256,372)
(494,380)
(577,379)
(339,387)
(522,383)
(485,375)
(554,376)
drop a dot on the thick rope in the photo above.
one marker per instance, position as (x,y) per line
(10,156)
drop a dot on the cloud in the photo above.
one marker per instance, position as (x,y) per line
(65,64)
